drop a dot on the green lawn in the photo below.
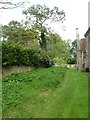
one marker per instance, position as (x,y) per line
(46,93)
(0,98)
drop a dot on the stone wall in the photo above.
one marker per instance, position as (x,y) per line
(88,14)
(15,69)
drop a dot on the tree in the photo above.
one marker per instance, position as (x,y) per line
(42,42)
(72,53)
(15,32)
(37,15)
(10,31)
(57,48)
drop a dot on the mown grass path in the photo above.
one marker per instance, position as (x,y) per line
(70,100)
(67,99)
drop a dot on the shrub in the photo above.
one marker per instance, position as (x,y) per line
(44,59)
(10,54)
(13,54)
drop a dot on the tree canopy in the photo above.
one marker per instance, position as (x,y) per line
(37,15)
(71,59)
(34,33)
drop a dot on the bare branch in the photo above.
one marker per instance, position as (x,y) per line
(10,5)
(5,3)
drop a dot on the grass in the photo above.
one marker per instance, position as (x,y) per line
(0,98)
(46,93)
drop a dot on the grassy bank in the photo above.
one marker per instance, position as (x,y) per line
(46,93)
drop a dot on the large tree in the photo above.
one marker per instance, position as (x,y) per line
(35,31)
(38,15)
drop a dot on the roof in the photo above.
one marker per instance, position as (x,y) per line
(88,31)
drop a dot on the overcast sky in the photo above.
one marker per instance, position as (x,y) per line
(76,16)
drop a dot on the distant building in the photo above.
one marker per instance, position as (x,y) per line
(84,48)
(84,53)
(87,37)
(81,52)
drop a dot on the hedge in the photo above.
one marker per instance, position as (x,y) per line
(15,55)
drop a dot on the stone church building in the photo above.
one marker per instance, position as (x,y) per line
(87,39)
(84,49)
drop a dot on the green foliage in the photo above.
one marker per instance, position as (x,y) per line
(42,42)
(72,57)
(44,58)
(42,13)
(45,93)
(14,32)
(13,54)
(57,48)
(10,54)
(15,86)
(28,35)
(37,15)
(53,43)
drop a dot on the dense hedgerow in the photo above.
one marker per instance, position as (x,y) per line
(13,54)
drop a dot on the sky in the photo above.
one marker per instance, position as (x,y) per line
(76,16)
